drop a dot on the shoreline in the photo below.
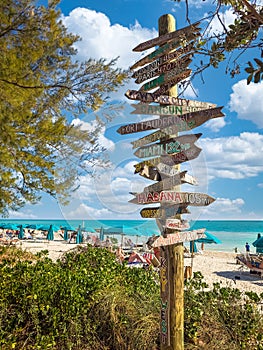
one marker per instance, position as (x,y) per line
(215,266)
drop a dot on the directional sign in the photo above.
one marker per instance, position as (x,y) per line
(166,184)
(167,48)
(150,172)
(166,81)
(145,108)
(176,224)
(177,34)
(169,182)
(179,65)
(170,146)
(165,99)
(164,88)
(179,158)
(159,212)
(174,55)
(191,198)
(179,237)
(166,170)
(184,123)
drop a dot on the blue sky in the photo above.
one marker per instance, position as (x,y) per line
(230,166)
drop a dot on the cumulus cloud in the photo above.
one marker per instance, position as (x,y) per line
(246,101)
(101,39)
(235,157)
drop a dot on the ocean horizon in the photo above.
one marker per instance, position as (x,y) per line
(233,233)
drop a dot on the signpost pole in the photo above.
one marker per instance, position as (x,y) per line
(173,255)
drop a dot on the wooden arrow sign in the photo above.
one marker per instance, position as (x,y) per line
(177,66)
(166,81)
(177,34)
(167,48)
(174,55)
(179,110)
(190,198)
(186,122)
(169,182)
(179,237)
(160,212)
(165,99)
(164,88)
(150,172)
(168,171)
(170,146)
(176,224)
(172,160)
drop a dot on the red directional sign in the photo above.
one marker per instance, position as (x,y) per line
(179,237)
(176,224)
(189,198)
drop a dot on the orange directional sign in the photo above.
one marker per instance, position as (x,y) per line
(172,160)
(190,198)
(166,81)
(168,48)
(184,123)
(170,56)
(177,66)
(170,146)
(177,34)
(165,99)
(159,212)
(179,237)
(170,182)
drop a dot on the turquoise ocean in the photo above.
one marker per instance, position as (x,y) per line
(233,234)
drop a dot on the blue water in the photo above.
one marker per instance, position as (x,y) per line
(233,234)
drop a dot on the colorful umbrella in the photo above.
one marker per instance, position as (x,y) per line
(50,235)
(79,238)
(21,232)
(209,239)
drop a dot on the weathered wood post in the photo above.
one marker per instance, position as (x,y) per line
(174,253)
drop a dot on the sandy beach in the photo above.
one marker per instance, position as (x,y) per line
(215,266)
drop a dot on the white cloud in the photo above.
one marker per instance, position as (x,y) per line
(215,124)
(227,18)
(235,157)
(246,101)
(101,39)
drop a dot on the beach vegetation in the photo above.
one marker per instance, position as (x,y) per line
(45,91)
(237,38)
(88,300)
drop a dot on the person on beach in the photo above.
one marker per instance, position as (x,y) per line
(120,255)
(247,246)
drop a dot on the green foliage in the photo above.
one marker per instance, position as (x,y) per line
(237,38)
(40,83)
(87,300)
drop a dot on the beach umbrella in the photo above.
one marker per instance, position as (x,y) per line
(209,239)
(65,236)
(9,226)
(89,229)
(21,232)
(47,227)
(101,237)
(33,226)
(258,244)
(50,234)
(79,238)
(193,247)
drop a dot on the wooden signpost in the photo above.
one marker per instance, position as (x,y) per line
(190,198)
(179,237)
(167,66)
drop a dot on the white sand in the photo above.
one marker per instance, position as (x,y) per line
(214,266)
